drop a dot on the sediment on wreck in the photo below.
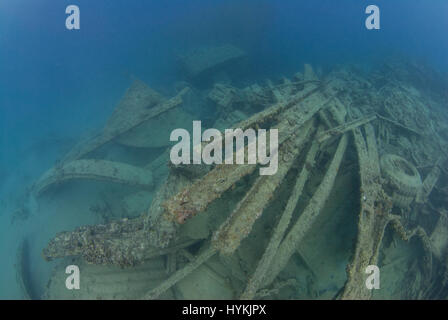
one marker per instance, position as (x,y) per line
(265,262)
(100,170)
(362,117)
(139,104)
(196,198)
(372,219)
(289,244)
(248,210)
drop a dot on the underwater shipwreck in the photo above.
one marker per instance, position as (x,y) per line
(361,181)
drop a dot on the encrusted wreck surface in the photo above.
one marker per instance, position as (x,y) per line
(123,243)
(373,215)
(240,222)
(95,170)
(344,120)
(138,104)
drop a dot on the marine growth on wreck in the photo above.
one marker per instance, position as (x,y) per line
(361,180)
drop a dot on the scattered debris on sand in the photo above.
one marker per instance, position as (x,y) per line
(242,231)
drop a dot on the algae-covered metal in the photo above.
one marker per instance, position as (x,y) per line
(377,129)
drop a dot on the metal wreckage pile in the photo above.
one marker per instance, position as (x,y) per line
(374,149)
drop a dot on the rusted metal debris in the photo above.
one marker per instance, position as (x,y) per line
(373,216)
(139,104)
(107,282)
(101,170)
(430,181)
(240,222)
(126,242)
(257,278)
(123,243)
(344,128)
(196,198)
(346,104)
(291,241)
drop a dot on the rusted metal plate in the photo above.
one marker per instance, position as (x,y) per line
(95,170)
(139,104)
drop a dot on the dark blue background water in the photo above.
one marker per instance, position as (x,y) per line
(55,84)
(49,74)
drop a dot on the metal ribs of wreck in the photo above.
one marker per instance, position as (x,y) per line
(301,119)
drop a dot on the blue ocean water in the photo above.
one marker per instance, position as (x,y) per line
(56,84)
